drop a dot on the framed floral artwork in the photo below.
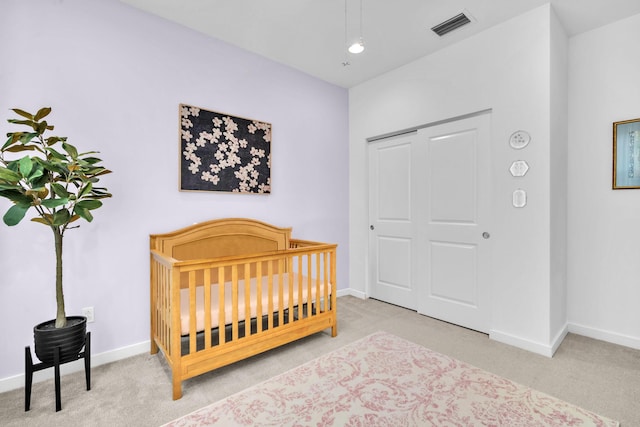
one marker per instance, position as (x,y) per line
(626,154)
(221,152)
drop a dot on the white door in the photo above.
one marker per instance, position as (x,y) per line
(454,230)
(429,207)
(392,228)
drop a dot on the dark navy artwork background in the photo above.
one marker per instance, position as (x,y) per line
(220,152)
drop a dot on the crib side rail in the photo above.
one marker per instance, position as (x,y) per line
(284,288)
(295,247)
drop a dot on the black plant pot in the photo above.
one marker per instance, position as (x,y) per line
(70,339)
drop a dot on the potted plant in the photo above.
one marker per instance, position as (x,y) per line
(49,177)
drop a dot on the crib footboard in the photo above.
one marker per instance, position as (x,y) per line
(209,313)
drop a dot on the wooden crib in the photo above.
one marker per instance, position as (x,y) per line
(276,290)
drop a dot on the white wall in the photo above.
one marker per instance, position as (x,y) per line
(558,184)
(114,77)
(603,264)
(508,69)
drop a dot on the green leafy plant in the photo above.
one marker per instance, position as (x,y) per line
(53,179)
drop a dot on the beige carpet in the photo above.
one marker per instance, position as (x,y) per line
(384,380)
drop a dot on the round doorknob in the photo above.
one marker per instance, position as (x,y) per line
(486,235)
(371,227)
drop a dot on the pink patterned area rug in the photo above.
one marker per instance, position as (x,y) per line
(383,380)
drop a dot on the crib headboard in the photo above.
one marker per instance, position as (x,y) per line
(221,237)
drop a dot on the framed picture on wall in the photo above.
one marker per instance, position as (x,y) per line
(221,152)
(626,154)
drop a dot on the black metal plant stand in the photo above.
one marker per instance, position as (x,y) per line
(31,368)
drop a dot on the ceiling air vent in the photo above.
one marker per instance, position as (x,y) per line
(451,24)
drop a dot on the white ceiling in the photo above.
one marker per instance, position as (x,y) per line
(309,35)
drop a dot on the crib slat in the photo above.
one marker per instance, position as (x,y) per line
(221,307)
(300,299)
(309,281)
(334,328)
(163,308)
(192,312)
(290,288)
(234,302)
(259,297)
(318,301)
(247,299)
(280,291)
(160,305)
(309,275)
(167,306)
(270,294)
(325,278)
(207,308)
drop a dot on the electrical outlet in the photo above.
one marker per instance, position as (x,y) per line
(88,313)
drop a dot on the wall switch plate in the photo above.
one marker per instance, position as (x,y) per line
(519,198)
(88,313)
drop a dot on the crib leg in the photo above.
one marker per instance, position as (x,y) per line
(177,388)
(154,346)
(334,330)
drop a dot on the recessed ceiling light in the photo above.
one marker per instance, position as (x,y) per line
(357,47)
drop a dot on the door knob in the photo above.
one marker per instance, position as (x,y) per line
(371,227)
(486,235)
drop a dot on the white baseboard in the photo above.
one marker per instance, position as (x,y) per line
(12,383)
(351,292)
(532,346)
(549,350)
(602,335)
(557,340)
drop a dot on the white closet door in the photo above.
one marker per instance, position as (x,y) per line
(429,210)
(454,228)
(392,230)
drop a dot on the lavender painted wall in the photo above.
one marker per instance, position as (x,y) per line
(114,77)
